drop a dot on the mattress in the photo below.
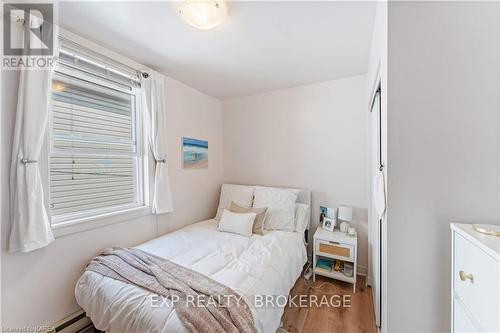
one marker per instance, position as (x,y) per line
(253,267)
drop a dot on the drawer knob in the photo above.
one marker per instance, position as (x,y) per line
(466,276)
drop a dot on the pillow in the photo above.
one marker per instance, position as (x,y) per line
(258,224)
(241,194)
(281,207)
(301,213)
(235,223)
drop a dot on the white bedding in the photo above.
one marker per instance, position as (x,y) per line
(259,265)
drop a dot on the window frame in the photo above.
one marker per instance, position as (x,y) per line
(80,221)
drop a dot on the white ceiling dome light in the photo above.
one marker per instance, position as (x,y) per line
(203,14)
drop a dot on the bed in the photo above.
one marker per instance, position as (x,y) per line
(266,264)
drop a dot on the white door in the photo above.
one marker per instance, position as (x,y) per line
(376,166)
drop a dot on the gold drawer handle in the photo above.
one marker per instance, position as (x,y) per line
(466,276)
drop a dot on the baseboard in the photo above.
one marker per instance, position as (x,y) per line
(73,323)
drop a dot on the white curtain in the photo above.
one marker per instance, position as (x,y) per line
(30,223)
(155,120)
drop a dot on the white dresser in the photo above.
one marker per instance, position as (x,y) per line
(475,280)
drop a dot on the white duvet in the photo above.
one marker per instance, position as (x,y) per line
(260,265)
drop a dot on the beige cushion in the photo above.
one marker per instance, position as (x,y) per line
(258,224)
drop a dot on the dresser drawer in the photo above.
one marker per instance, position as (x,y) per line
(335,250)
(476,283)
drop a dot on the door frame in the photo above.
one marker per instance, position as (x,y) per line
(379,86)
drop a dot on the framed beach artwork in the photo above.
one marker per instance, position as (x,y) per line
(194,153)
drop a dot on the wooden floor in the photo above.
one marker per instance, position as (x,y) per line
(358,318)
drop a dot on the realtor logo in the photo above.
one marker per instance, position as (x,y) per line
(28,29)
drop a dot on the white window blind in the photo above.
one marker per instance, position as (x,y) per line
(95,156)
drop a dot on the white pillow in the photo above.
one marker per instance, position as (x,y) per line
(241,194)
(301,221)
(280,204)
(241,224)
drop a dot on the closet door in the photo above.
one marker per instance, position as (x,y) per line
(376,170)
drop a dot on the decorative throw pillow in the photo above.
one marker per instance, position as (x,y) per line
(280,205)
(241,194)
(258,224)
(235,223)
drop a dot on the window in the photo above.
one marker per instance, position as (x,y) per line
(95,159)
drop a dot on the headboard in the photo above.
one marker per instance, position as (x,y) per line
(303,196)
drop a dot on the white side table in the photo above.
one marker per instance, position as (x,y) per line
(335,245)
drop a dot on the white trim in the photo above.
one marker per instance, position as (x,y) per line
(370,278)
(142,146)
(83,216)
(97,221)
(498,114)
(452,284)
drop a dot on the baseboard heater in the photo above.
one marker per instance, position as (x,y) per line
(77,322)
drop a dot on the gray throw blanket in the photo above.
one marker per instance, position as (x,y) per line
(217,313)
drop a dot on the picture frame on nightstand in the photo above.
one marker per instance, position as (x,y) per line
(328,224)
(328,218)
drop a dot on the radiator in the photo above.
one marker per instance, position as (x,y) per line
(77,322)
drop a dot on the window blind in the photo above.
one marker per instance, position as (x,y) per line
(87,61)
(94,157)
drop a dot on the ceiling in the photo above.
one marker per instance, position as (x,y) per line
(262,46)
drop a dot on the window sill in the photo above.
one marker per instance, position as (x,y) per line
(89,223)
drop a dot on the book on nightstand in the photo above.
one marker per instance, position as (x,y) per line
(325,264)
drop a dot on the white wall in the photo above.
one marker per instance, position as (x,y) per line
(195,192)
(312,136)
(38,287)
(443,104)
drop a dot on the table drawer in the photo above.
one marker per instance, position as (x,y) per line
(476,282)
(335,250)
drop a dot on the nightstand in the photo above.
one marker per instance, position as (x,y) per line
(335,245)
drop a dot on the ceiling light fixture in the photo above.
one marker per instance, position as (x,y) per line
(203,14)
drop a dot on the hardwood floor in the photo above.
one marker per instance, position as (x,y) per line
(357,318)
